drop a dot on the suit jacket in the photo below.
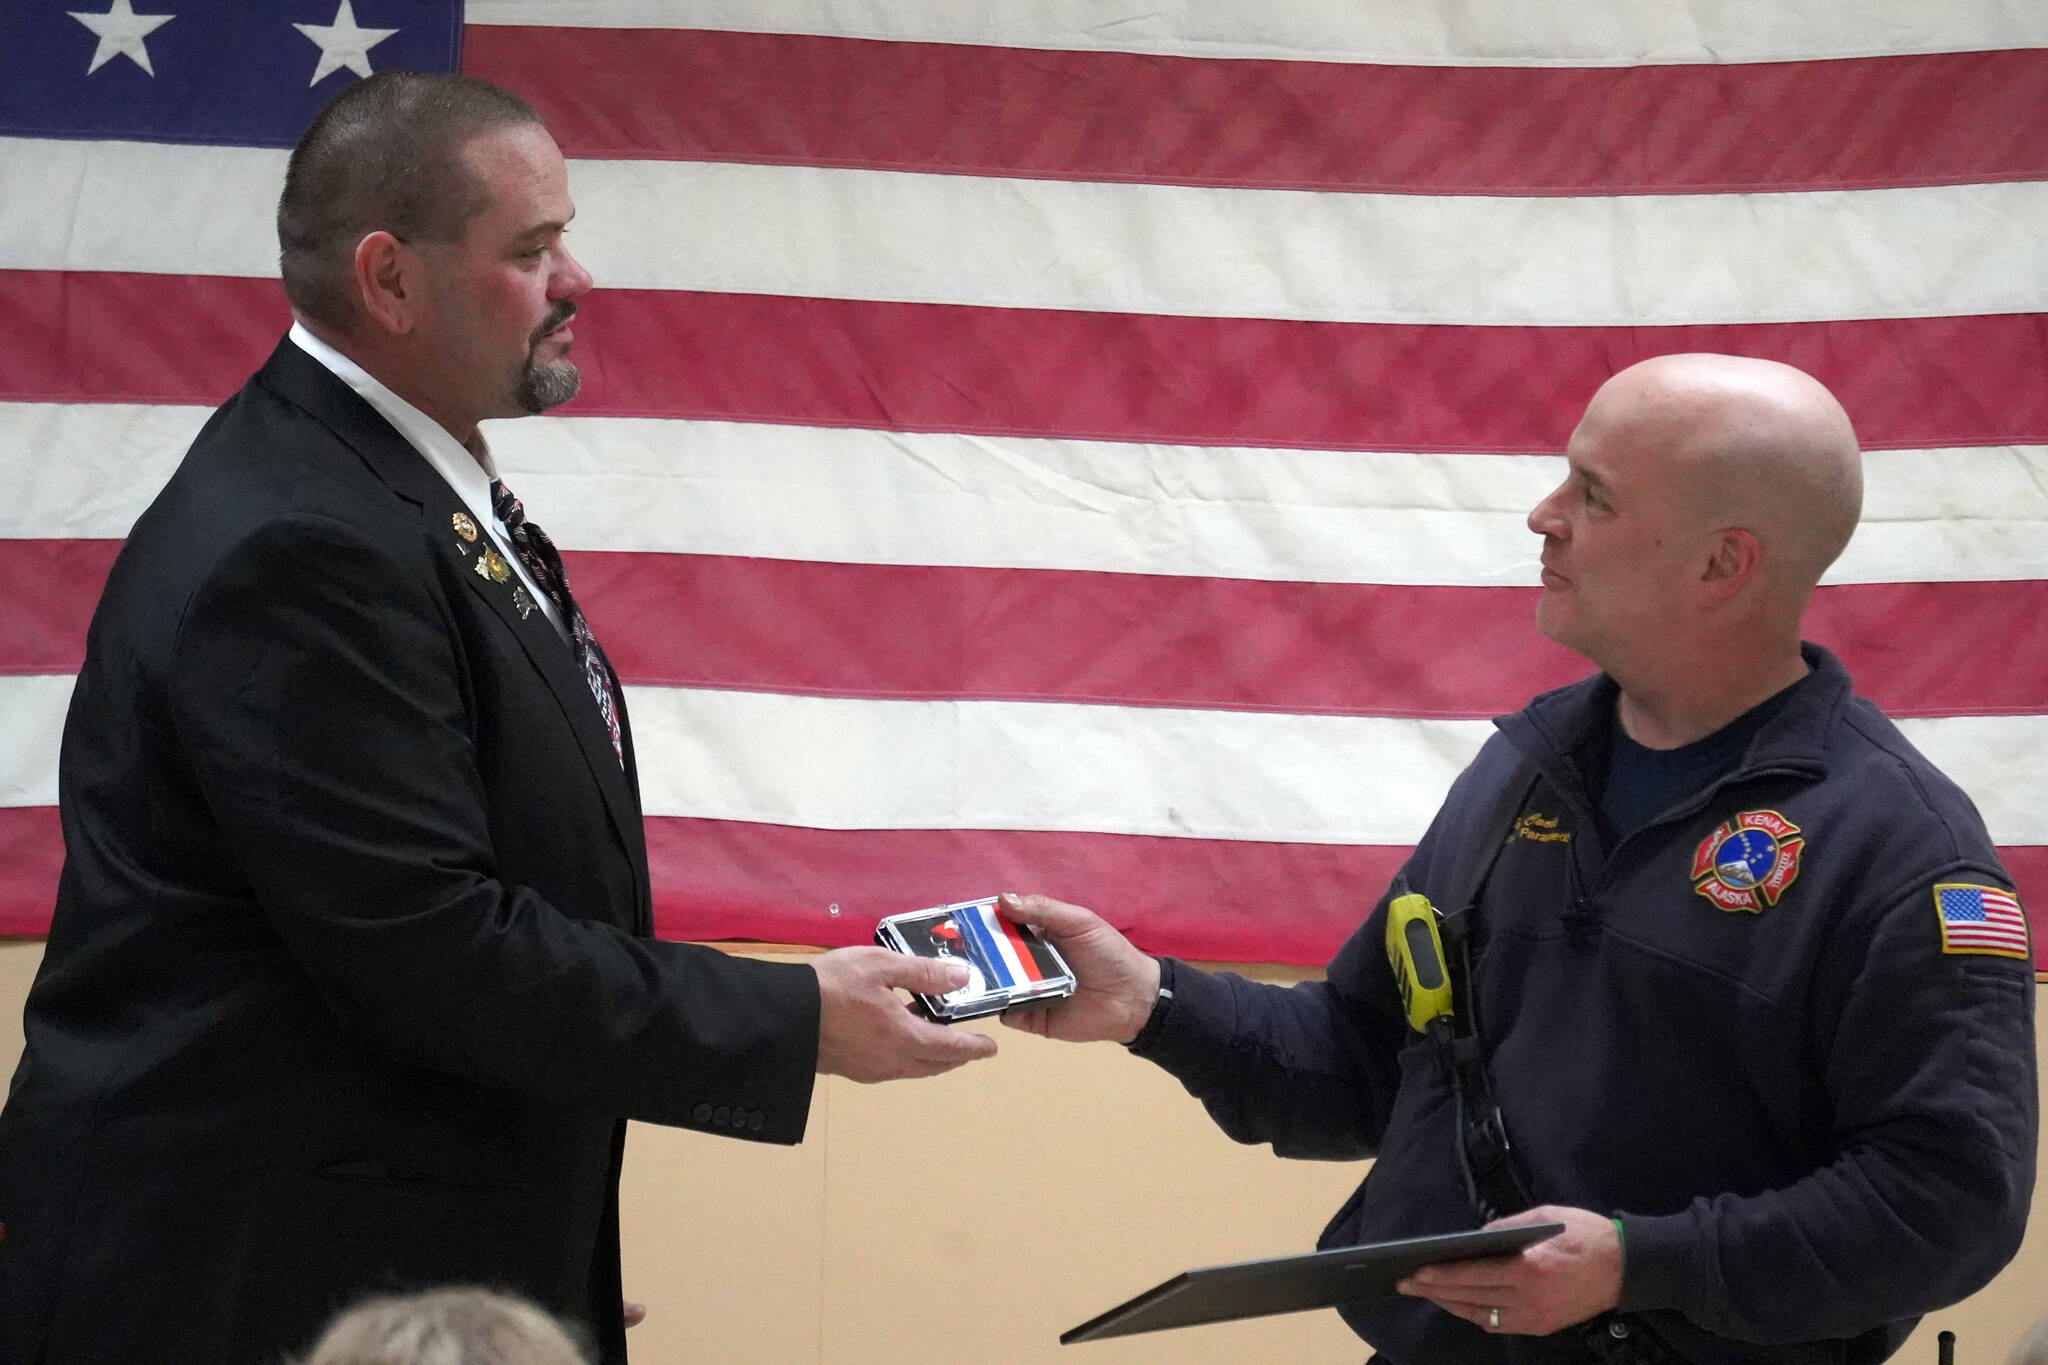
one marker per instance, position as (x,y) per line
(349,985)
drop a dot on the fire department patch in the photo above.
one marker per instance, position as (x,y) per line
(1748,862)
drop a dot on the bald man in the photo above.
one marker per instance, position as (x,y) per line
(1753,997)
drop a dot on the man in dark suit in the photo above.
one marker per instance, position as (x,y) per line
(351,983)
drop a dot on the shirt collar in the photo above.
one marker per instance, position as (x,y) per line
(468,475)
(1558,723)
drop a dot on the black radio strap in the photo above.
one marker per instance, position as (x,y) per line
(1494,832)
(1485,1157)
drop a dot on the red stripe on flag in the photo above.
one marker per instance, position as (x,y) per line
(50,588)
(721,879)
(1882,630)
(865,630)
(920,633)
(1935,119)
(104,336)
(1207,899)
(716,879)
(1138,639)
(1907,382)
(31,854)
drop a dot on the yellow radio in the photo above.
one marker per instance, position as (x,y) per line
(1415,950)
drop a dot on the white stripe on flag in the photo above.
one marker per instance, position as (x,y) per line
(1493,32)
(837,764)
(1165,249)
(867,497)
(32,711)
(1998,760)
(87,470)
(852,496)
(211,210)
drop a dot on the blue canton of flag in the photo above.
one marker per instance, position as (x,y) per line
(222,71)
(1981,919)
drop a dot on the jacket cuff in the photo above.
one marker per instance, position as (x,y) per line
(1193,1018)
(1162,1005)
(1657,1269)
(745,1062)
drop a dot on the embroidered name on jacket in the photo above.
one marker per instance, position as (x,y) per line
(1541,829)
(1748,862)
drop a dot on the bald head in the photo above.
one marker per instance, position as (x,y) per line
(1703,497)
(1751,444)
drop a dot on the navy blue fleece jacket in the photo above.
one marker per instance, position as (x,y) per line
(1814,1116)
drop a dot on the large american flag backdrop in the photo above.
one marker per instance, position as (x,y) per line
(1081,445)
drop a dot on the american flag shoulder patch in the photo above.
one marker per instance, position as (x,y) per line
(1981,919)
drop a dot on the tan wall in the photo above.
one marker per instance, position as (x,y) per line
(870,1242)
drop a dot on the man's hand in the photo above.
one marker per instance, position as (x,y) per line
(1115,984)
(868,1033)
(1539,1290)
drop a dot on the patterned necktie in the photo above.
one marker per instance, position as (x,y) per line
(538,554)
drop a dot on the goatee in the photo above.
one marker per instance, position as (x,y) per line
(543,386)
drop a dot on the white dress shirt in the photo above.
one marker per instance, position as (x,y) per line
(467,476)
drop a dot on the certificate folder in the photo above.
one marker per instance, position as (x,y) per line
(1288,1284)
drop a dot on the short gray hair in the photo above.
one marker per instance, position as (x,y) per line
(460,1326)
(383,155)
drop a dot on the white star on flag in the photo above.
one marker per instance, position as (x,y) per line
(121,31)
(341,43)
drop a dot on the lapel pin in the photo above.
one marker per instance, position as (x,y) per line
(464,527)
(522,601)
(493,567)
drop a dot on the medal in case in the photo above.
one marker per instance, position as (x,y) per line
(1010,966)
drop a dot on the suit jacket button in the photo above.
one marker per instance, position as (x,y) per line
(723,1116)
(702,1113)
(756,1121)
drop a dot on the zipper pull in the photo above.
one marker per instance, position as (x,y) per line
(1581,921)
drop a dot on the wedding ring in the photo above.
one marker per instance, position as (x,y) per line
(1493,1318)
